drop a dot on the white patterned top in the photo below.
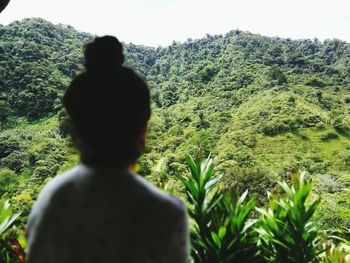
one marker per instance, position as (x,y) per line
(102,215)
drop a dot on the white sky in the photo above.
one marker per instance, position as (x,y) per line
(159,22)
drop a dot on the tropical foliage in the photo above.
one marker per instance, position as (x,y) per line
(11,239)
(222,231)
(287,230)
(226,229)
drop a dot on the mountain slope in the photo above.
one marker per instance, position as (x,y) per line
(261,105)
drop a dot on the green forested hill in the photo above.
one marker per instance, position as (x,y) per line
(260,105)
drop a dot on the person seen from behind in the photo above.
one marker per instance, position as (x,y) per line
(101,211)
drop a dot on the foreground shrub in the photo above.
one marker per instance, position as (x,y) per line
(227,228)
(11,240)
(222,231)
(337,247)
(287,231)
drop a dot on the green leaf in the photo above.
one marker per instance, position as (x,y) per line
(222,232)
(216,239)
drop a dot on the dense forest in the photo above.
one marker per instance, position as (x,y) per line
(260,105)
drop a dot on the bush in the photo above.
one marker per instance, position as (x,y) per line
(326,183)
(256,181)
(8,145)
(329,136)
(287,231)
(291,99)
(225,228)
(7,177)
(223,231)
(11,249)
(15,161)
(315,82)
(277,75)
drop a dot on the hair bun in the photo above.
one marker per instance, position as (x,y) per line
(103,54)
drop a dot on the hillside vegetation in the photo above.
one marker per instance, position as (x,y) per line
(260,105)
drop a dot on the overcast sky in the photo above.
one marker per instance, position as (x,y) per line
(159,22)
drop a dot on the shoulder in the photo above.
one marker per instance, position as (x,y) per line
(61,182)
(54,189)
(40,215)
(168,202)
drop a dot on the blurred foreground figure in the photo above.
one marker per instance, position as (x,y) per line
(100,211)
(3,4)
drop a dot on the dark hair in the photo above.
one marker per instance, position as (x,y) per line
(109,106)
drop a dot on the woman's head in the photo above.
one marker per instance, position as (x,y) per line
(109,106)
